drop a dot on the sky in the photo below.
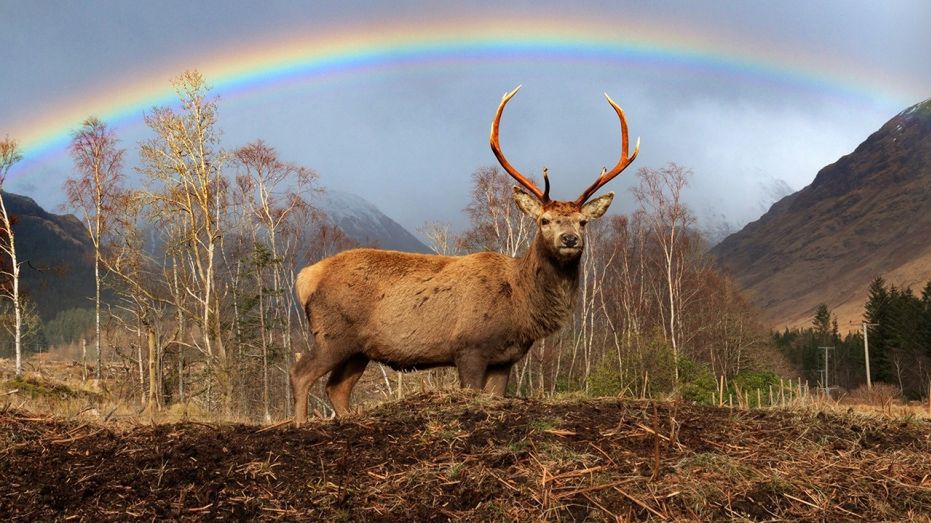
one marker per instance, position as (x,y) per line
(393,100)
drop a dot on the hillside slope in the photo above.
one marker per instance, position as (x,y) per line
(59,273)
(866,215)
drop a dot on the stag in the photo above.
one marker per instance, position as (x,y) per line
(480,313)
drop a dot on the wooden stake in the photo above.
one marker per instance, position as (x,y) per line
(152,402)
(84,360)
(721,392)
(759,399)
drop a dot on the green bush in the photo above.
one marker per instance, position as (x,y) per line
(697,383)
(752,380)
(605,380)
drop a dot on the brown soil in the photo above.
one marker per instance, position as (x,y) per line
(466,457)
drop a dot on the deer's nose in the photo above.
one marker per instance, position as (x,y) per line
(569,240)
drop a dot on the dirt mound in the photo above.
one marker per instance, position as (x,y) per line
(469,457)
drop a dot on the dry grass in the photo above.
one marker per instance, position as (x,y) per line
(469,457)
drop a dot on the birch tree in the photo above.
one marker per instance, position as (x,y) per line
(9,155)
(185,161)
(98,161)
(140,286)
(275,189)
(440,238)
(660,195)
(497,223)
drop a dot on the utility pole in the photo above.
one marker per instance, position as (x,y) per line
(825,382)
(866,352)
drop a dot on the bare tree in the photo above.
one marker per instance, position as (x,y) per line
(99,163)
(660,195)
(440,238)
(272,194)
(497,224)
(9,155)
(185,159)
(140,285)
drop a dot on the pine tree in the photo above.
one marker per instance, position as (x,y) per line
(925,324)
(878,313)
(822,322)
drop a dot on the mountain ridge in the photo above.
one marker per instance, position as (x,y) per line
(58,268)
(867,214)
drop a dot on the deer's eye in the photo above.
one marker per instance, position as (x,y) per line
(583,222)
(544,221)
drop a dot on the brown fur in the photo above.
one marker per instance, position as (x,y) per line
(479,313)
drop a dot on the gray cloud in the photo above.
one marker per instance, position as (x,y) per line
(408,139)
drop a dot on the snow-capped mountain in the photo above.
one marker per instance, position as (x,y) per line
(365,223)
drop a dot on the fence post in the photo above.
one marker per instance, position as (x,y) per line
(83,360)
(721,392)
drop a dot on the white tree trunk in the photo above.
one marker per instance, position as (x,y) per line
(10,250)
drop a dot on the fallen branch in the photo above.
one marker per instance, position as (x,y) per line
(275,425)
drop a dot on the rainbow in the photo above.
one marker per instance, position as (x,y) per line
(252,67)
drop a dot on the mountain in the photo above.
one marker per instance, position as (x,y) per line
(866,215)
(58,269)
(365,223)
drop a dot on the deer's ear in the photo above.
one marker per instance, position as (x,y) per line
(528,204)
(597,207)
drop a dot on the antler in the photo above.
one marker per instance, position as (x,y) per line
(543,196)
(607,176)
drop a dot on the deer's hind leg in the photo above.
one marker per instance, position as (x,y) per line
(471,367)
(496,378)
(343,379)
(305,372)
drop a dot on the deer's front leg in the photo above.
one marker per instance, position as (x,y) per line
(471,366)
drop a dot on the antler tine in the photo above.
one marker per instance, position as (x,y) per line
(606,175)
(543,196)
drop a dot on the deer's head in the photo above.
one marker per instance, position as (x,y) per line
(562,224)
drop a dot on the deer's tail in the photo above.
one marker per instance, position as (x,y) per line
(306,283)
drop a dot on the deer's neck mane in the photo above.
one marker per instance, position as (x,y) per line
(546,288)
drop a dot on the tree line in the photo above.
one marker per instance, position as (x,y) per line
(898,331)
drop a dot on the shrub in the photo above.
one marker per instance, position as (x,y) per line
(606,380)
(753,380)
(881,395)
(697,382)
